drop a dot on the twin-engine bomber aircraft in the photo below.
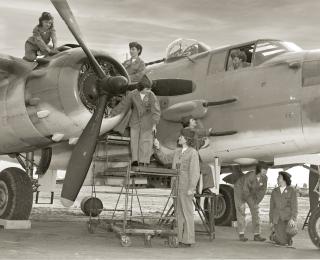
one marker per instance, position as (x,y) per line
(267,109)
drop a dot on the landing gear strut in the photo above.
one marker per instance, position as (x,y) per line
(28,163)
(314,192)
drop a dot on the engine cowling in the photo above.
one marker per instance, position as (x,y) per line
(53,102)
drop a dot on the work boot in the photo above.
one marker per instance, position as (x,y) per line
(184,245)
(258,238)
(243,238)
(206,191)
(134,163)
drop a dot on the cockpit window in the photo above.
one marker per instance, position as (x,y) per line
(184,48)
(240,57)
(266,50)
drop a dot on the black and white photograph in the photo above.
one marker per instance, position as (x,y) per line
(173,129)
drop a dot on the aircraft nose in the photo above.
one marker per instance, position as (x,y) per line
(311,69)
(311,88)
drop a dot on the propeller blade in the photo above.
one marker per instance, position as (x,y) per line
(82,155)
(172,87)
(169,87)
(67,15)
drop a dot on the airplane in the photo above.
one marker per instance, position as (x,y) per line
(265,111)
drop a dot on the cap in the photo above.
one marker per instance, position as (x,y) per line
(186,120)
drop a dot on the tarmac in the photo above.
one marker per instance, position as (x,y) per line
(59,233)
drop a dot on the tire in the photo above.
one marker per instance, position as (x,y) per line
(45,160)
(91,205)
(226,210)
(314,227)
(16,195)
(313,180)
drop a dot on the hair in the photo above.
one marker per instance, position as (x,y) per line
(45,16)
(136,45)
(261,165)
(286,177)
(189,136)
(238,53)
(190,142)
(145,82)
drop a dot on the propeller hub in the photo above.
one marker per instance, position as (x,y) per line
(114,85)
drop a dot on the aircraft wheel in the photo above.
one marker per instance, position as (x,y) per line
(16,195)
(91,205)
(226,211)
(45,160)
(314,227)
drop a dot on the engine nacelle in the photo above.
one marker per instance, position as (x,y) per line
(52,102)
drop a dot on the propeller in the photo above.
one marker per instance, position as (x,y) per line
(169,87)
(82,154)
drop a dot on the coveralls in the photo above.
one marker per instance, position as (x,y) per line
(283,207)
(145,114)
(39,42)
(188,163)
(248,189)
(136,70)
(199,138)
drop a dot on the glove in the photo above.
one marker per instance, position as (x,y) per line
(156,144)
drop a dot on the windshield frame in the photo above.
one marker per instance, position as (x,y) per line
(272,51)
(187,45)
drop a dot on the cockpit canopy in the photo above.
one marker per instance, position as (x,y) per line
(184,48)
(256,53)
(266,50)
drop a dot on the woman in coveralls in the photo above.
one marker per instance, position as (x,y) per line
(283,210)
(201,134)
(43,33)
(143,120)
(187,160)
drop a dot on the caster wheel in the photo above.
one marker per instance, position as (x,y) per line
(91,206)
(173,241)
(147,241)
(125,241)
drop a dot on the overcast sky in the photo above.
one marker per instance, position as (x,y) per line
(111,24)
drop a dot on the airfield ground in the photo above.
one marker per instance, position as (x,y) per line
(59,233)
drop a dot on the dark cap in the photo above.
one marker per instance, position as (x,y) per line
(145,82)
(46,16)
(283,173)
(286,177)
(187,133)
(136,45)
(263,165)
(185,120)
